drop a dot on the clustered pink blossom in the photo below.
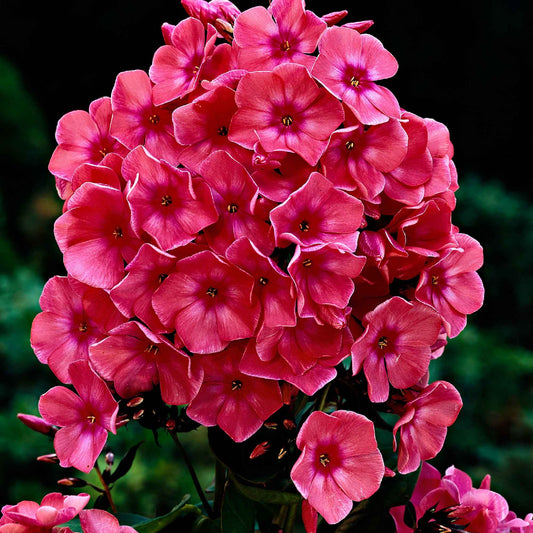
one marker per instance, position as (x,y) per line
(254,210)
(452,503)
(54,510)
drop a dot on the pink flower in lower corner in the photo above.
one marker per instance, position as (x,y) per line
(340,462)
(84,418)
(31,517)
(98,521)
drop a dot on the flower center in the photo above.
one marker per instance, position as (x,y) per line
(117,232)
(212,291)
(161,278)
(222,131)
(304,226)
(91,419)
(236,384)
(286,120)
(103,151)
(152,348)
(324,459)
(263,280)
(166,200)
(354,82)
(349,145)
(232,208)
(285,46)
(82,328)
(383,342)
(154,119)
(434,280)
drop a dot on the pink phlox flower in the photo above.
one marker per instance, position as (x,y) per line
(304,355)
(177,68)
(451,284)
(164,201)
(209,301)
(423,424)
(383,250)
(202,127)
(286,110)
(324,276)
(136,360)
(444,175)
(286,32)
(278,174)
(235,196)
(273,288)
(137,121)
(318,213)
(340,462)
(95,235)
(348,65)
(84,418)
(98,521)
(406,183)
(210,12)
(73,317)
(396,345)
(84,138)
(236,402)
(372,287)
(145,273)
(425,231)
(31,517)
(358,157)
(87,172)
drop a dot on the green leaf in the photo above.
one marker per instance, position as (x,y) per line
(206,525)
(182,512)
(237,511)
(266,495)
(125,464)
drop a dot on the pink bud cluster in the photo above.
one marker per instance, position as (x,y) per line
(254,210)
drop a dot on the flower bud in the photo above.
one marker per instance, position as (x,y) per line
(49,458)
(37,424)
(72,482)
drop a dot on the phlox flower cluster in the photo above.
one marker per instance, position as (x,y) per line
(243,222)
(452,503)
(54,511)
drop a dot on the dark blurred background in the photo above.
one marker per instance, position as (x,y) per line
(462,63)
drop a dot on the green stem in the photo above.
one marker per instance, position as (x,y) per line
(290,519)
(193,475)
(107,491)
(220,482)
(323,398)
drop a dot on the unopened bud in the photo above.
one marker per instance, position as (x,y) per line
(37,424)
(135,402)
(109,458)
(389,472)
(289,425)
(271,425)
(49,458)
(138,414)
(122,420)
(171,424)
(260,449)
(72,482)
